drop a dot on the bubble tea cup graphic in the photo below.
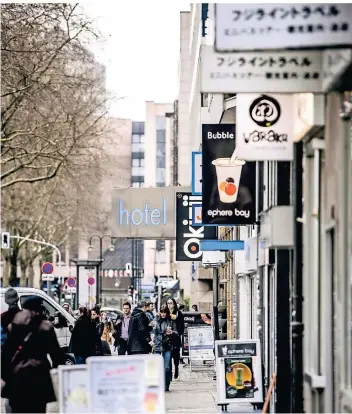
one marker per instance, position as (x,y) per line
(228,172)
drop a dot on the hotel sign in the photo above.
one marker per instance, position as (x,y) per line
(145,213)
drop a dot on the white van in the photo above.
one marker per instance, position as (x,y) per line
(63,322)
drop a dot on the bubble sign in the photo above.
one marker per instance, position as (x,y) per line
(47,268)
(71,282)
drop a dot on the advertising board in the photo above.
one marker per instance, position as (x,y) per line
(201,343)
(132,384)
(73,389)
(192,319)
(238,371)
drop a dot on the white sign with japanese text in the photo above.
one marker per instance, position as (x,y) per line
(275,72)
(260,26)
(132,384)
(265,127)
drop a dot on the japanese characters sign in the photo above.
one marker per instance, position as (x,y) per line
(265,127)
(259,26)
(285,72)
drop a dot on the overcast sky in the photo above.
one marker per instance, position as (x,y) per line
(141,53)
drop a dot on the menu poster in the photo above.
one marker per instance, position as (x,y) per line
(73,386)
(132,384)
(201,343)
(192,319)
(239,371)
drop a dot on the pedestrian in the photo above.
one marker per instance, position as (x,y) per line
(149,312)
(195,308)
(99,327)
(178,317)
(108,330)
(165,330)
(83,339)
(25,365)
(11,299)
(68,308)
(121,330)
(139,331)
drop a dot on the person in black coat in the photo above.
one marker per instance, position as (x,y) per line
(83,339)
(176,315)
(25,365)
(99,329)
(139,331)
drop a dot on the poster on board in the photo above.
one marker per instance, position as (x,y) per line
(201,343)
(73,389)
(141,377)
(239,371)
(192,319)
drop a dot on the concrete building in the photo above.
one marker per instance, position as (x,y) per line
(158,136)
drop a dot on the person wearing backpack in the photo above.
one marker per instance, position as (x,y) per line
(25,367)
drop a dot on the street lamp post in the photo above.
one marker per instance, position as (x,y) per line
(111,248)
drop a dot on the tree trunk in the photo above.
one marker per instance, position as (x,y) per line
(13,268)
(30,274)
(37,274)
(5,272)
(23,279)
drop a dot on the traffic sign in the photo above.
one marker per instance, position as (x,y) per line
(5,240)
(48,277)
(71,282)
(47,268)
(91,281)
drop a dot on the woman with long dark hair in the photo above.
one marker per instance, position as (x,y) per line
(177,316)
(164,332)
(83,338)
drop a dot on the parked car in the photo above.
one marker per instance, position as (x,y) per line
(112,313)
(63,322)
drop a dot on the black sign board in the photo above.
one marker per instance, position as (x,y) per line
(188,237)
(228,184)
(237,350)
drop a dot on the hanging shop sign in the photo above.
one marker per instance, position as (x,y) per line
(201,343)
(196,173)
(133,384)
(238,371)
(144,213)
(287,72)
(335,63)
(188,237)
(260,26)
(228,182)
(192,319)
(265,127)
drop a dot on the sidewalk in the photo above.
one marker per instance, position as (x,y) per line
(195,392)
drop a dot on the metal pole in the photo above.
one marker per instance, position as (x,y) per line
(215,303)
(44,244)
(98,296)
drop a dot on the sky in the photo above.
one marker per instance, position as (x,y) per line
(141,51)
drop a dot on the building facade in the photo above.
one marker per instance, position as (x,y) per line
(291,287)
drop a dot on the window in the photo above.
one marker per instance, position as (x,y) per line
(137,147)
(160,245)
(137,178)
(49,310)
(161,136)
(160,122)
(137,162)
(160,161)
(160,184)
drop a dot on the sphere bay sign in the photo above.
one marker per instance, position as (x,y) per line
(145,213)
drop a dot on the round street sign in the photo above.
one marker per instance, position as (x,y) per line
(91,281)
(47,268)
(71,282)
